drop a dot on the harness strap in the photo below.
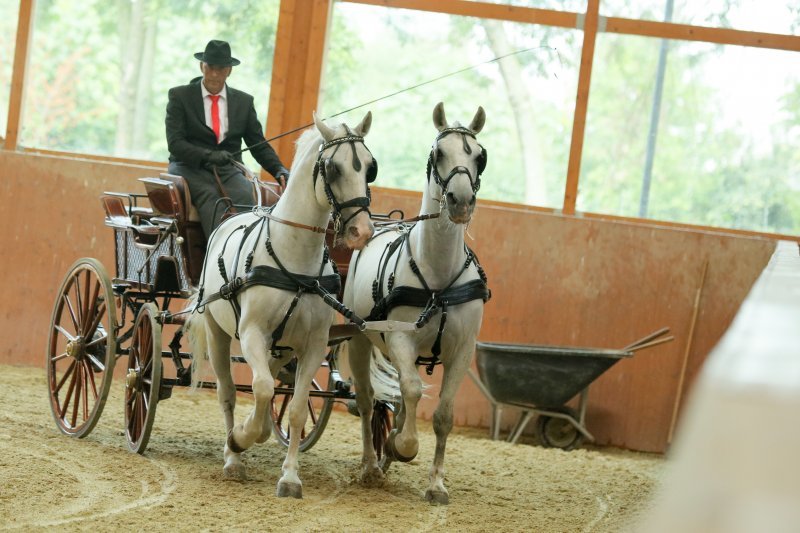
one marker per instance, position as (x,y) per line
(316,229)
(404,295)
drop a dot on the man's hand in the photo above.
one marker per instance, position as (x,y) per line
(219,157)
(282,177)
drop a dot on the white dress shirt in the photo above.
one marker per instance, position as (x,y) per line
(223,110)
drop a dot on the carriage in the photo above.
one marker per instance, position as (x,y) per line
(97,320)
(278,253)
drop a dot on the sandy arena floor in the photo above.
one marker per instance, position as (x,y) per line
(53,482)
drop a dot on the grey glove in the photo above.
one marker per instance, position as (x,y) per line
(219,157)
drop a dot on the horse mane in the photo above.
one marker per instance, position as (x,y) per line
(307,145)
(306,148)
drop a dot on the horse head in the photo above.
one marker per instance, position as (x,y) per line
(456,163)
(346,168)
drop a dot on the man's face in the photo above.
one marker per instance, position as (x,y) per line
(214,76)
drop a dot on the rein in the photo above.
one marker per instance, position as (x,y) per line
(265,212)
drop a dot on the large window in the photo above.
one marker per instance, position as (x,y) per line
(9,12)
(529,97)
(725,150)
(99,71)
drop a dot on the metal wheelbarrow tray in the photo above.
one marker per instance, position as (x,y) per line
(541,379)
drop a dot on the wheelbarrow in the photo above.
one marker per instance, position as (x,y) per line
(541,379)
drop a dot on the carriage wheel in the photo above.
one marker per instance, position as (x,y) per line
(143,379)
(82,347)
(382,424)
(555,432)
(319,411)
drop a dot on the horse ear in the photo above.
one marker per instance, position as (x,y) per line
(478,120)
(439,120)
(326,132)
(363,127)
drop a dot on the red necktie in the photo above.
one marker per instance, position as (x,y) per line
(215,114)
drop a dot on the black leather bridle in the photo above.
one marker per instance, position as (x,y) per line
(481,161)
(326,167)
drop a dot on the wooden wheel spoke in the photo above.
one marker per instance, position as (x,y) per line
(141,412)
(77,402)
(311,412)
(79,298)
(85,390)
(97,341)
(70,391)
(98,313)
(90,374)
(59,357)
(65,298)
(87,304)
(130,397)
(66,375)
(93,313)
(64,332)
(282,410)
(146,399)
(132,419)
(96,362)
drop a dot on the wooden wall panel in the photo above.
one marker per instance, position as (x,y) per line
(555,279)
(571,281)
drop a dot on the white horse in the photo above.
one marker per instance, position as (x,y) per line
(272,262)
(428,275)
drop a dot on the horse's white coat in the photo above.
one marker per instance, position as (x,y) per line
(263,308)
(437,246)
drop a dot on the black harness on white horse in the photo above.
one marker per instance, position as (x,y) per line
(325,286)
(431,300)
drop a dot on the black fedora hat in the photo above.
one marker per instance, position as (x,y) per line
(217,53)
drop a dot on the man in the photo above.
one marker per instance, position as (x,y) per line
(206,122)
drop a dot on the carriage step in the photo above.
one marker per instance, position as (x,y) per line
(165,392)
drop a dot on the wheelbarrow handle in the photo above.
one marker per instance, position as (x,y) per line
(655,334)
(650,344)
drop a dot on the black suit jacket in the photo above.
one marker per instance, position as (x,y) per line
(189,138)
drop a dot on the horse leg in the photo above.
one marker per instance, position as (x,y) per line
(244,435)
(403,443)
(219,353)
(442,425)
(307,365)
(275,364)
(360,358)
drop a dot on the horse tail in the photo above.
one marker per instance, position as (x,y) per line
(195,329)
(384,377)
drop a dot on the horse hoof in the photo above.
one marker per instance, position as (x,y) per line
(285,489)
(235,472)
(392,452)
(437,497)
(373,477)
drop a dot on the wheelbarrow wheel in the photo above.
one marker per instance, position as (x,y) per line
(556,432)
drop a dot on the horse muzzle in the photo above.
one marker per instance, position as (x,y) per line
(358,231)
(460,210)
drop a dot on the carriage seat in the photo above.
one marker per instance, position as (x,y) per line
(169,197)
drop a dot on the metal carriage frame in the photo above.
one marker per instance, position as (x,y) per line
(98,320)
